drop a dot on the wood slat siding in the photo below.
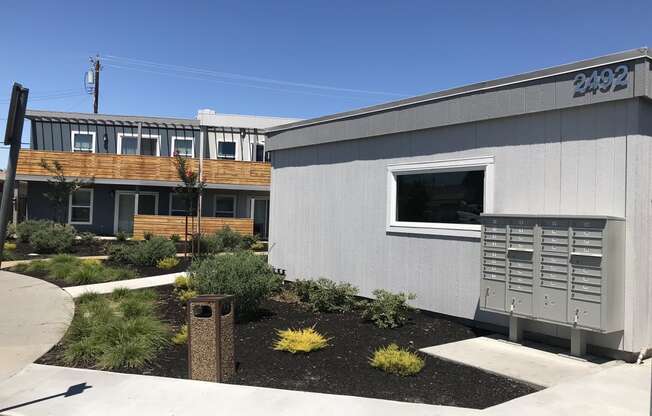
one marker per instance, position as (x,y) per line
(135,167)
(165,226)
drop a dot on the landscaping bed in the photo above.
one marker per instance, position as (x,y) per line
(342,367)
(99,271)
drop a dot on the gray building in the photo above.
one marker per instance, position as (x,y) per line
(391,196)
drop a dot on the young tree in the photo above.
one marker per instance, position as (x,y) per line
(190,189)
(61,188)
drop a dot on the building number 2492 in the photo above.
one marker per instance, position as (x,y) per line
(602,80)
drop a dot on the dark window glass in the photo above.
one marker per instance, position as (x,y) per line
(226,150)
(260,152)
(446,197)
(148,146)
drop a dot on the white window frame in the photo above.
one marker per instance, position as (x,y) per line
(485,163)
(70,207)
(72,140)
(235,154)
(138,140)
(173,148)
(235,206)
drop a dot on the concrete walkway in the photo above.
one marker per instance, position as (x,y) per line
(529,365)
(108,287)
(41,390)
(622,390)
(34,316)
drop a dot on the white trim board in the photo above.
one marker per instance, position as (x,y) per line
(485,163)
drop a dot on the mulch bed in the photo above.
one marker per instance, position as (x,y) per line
(141,271)
(343,367)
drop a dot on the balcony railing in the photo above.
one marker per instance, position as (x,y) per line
(144,168)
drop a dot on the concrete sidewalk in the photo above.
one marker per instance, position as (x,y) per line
(34,316)
(543,368)
(108,287)
(40,390)
(622,390)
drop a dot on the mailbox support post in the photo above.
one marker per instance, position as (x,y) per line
(515,329)
(578,342)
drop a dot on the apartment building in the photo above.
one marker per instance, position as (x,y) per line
(129,160)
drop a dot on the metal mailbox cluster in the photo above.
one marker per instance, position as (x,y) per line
(566,270)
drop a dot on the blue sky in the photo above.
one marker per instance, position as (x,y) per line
(292,58)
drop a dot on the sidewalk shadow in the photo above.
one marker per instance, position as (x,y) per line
(72,391)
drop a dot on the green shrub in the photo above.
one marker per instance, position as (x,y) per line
(149,252)
(11,231)
(25,229)
(10,246)
(175,238)
(300,340)
(86,238)
(225,239)
(75,271)
(116,331)
(395,360)
(121,236)
(181,337)
(388,310)
(147,235)
(182,282)
(183,289)
(56,238)
(120,253)
(324,295)
(242,274)
(167,263)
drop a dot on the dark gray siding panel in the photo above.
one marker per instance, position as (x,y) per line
(545,94)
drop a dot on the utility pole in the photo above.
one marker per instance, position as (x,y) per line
(96,84)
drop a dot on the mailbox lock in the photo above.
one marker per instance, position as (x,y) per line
(576,318)
(511,307)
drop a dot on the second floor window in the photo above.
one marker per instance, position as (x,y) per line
(259,152)
(226,150)
(182,145)
(83,142)
(128,144)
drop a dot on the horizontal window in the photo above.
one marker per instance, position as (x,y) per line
(440,197)
(443,197)
(226,150)
(81,207)
(225,206)
(129,144)
(83,142)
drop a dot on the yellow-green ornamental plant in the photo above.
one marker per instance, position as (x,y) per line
(300,340)
(395,360)
(167,263)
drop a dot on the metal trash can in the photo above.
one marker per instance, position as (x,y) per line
(210,338)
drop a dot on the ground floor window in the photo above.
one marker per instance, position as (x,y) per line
(81,207)
(178,205)
(225,206)
(444,195)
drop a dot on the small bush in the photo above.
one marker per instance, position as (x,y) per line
(75,271)
(10,246)
(394,360)
(8,256)
(182,282)
(225,239)
(183,289)
(181,337)
(56,238)
(116,331)
(86,238)
(388,310)
(120,253)
(243,274)
(175,238)
(324,295)
(259,246)
(11,231)
(25,229)
(167,263)
(121,236)
(147,235)
(149,252)
(300,340)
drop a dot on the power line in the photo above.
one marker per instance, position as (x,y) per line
(231,75)
(262,87)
